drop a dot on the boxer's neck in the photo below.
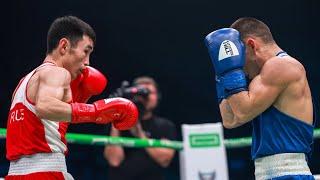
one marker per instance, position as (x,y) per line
(51,58)
(267,52)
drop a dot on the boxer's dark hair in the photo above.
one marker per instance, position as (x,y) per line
(69,27)
(248,26)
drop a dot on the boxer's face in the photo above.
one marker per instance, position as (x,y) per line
(77,57)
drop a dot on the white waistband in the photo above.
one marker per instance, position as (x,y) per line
(41,162)
(281,165)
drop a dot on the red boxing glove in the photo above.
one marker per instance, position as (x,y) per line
(90,82)
(121,112)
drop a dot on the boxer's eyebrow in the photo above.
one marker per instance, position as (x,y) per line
(89,47)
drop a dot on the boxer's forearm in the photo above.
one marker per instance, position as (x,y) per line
(243,107)
(229,120)
(53,109)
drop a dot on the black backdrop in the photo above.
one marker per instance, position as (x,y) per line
(162,39)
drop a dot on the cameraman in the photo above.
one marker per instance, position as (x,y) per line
(146,163)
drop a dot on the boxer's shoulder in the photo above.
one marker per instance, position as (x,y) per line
(55,73)
(282,70)
(285,62)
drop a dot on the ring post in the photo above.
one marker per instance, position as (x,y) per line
(203,155)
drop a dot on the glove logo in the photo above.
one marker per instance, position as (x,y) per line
(227,49)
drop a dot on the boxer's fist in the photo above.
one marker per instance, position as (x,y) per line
(91,82)
(121,112)
(227,53)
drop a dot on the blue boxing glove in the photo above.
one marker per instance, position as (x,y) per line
(227,53)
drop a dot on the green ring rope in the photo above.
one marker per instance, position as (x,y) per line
(142,143)
(123,141)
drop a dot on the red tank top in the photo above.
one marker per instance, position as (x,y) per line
(26,133)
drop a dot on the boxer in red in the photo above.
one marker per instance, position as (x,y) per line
(55,94)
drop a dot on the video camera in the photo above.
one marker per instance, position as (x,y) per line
(130,92)
(137,94)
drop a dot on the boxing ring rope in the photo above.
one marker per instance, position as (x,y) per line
(142,143)
(88,139)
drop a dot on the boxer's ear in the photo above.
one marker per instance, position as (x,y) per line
(63,46)
(250,43)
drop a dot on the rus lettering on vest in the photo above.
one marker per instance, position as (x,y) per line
(16,115)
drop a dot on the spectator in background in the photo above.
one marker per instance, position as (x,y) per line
(146,163)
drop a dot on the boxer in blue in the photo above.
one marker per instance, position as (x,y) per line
(277,101)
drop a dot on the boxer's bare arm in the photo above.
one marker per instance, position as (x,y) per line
(264,89)
(228,118)
(54,82)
